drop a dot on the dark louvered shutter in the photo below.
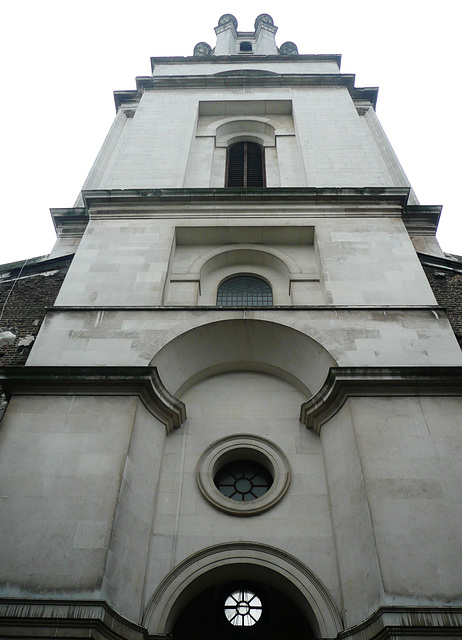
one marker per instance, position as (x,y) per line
(236,156)
(245,165)
(254,165)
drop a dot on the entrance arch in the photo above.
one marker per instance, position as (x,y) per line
(245,563)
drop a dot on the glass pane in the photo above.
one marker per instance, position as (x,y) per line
(243,608)
(243,480)
(244,291)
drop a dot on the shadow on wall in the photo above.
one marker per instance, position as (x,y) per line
(243,345)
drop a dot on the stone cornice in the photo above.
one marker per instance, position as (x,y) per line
(422,220)
(284,308)
(253,58)
(391,622)
(351,201)
(60,618)
(69,222)
(32,266)
(437,262)
(344,382)
(53,618)
(346,201)
(152,83)
(143,382)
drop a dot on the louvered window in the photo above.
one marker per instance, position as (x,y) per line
(245,165)
(244,291)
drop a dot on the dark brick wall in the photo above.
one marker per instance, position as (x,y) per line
(26,299)
(447,288)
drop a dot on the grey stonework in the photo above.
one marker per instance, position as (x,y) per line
(127,388)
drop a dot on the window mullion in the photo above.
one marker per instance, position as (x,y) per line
(245,164)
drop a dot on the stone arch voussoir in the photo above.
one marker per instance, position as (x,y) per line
(228,561)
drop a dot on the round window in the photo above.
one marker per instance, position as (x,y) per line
(243,474)
(243,608)
(243,480)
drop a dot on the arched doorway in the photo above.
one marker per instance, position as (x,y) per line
(191,600)
(241,610)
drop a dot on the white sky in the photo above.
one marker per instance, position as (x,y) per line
(61,61)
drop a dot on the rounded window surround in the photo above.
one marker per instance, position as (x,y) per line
(238,448)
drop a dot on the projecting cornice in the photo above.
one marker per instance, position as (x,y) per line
(120,381)
(345,201)
(448,263)
(183,83)
(334,201)
(336,58)
(422,220)
(346,382)
(69,222)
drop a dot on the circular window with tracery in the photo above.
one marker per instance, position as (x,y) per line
(243,480)
(243,474)
(243,608)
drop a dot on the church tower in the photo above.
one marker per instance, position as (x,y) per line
(241,418)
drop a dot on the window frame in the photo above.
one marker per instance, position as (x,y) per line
(243,447)
(254,276)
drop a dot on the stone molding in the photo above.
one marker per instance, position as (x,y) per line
(298,577)
(282,307)
(306,57)
(146,83)
(50,618)
(184,202)
(396,622)
(422,220)
(53,618)
(444,264)
(344,201)
(344,382)
(32,267)
(236,447)
(143,382)
(70,222)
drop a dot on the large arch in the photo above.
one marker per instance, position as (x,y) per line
(243,560)
(243,345)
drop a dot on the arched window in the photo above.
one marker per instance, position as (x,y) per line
(244,291)
(245,165)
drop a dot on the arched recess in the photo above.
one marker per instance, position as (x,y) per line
(283,261)
(243,560)
(233,261)
(238,129)
(243,345)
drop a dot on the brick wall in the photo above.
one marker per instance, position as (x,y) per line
(447,287)
(24,296)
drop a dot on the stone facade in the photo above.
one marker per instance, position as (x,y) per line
(344,396)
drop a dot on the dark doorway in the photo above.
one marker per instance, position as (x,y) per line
(241,610)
